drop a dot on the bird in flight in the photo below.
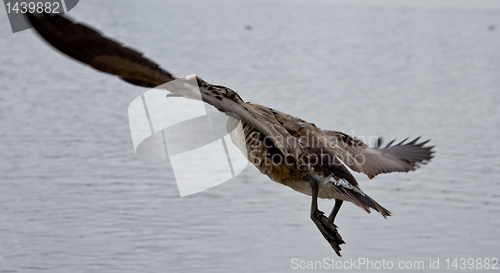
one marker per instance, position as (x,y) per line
(287,149)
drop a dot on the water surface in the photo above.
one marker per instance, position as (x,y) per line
(75,198)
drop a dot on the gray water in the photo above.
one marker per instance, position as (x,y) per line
(75,198)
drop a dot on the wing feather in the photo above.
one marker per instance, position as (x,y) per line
(402,157)
(91,47)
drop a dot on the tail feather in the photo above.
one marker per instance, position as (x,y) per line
(364,201)
(368,201)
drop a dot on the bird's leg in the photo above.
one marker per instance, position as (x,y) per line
(325,226)
(336,208)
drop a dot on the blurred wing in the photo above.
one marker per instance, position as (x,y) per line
(90,47)
(401,157)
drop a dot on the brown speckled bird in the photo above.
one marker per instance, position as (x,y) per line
(289,150)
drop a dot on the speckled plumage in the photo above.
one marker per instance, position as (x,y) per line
(287,149)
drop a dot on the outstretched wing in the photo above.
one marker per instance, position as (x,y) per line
(92,48)
(88,46)
(401,157)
